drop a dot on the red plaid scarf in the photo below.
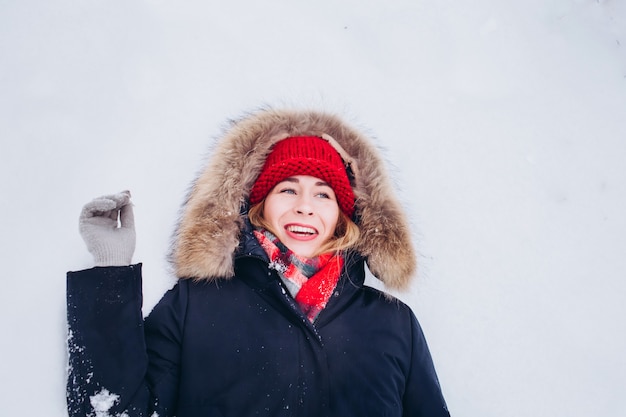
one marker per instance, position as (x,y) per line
(310,281)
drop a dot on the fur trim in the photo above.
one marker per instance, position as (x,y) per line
(210,225)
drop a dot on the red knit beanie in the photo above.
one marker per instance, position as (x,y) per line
(305,155)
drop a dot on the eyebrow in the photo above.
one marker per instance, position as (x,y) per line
(295,180)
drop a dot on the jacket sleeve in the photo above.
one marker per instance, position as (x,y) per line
(423,396)
(119,365)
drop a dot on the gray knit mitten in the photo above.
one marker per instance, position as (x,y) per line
(107,226)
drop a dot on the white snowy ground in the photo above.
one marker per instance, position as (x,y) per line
(505,122)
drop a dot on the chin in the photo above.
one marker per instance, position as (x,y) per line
(307,252)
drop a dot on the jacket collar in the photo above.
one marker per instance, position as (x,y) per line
(252,268)
(249,246)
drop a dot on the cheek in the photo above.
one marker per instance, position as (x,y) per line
(331,220)
(274,209)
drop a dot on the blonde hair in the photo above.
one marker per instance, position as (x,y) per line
(346,231)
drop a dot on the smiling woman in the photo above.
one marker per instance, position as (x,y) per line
(270,315)
(302,212)
(342,235)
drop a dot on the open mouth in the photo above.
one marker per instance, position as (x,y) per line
(301,230)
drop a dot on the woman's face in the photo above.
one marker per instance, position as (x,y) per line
(303,212)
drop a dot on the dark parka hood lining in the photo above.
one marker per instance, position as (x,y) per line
(213,216)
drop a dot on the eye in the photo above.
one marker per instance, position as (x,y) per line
(287,190)
(322,195)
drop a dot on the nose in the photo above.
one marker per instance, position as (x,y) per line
(304,206)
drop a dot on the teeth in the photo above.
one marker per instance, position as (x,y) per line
(301,229)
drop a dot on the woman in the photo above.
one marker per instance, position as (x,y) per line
(269,315)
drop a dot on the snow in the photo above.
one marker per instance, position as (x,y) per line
(503,122)
(102,402)
(278,265)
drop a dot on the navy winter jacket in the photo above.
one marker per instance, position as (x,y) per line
(228,340)
(242,347)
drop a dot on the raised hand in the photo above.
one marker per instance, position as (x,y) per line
(107,226)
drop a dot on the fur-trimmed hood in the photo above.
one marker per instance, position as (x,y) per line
(211,222)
